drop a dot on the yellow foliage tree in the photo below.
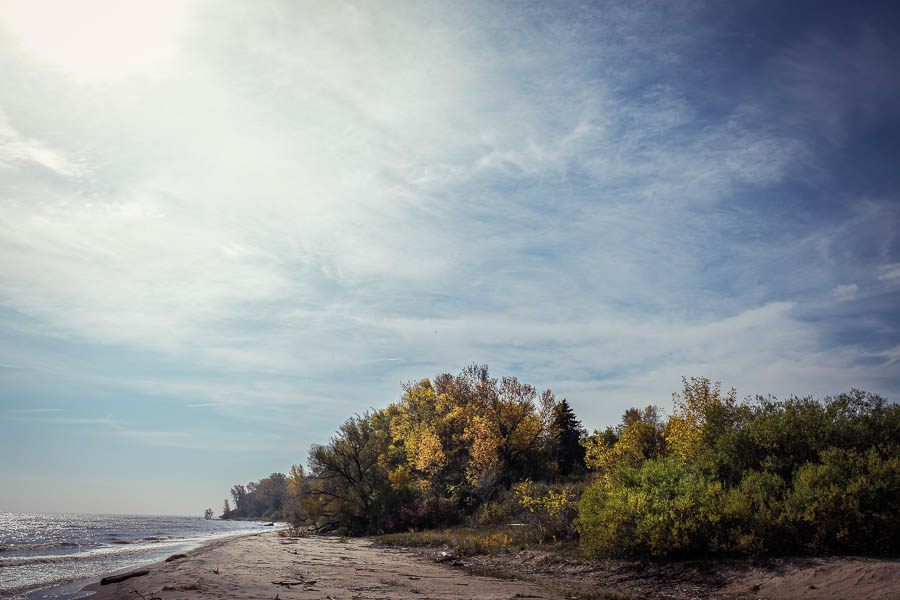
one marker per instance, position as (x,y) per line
(467,426)
(480,433)
(639,439)
(684,431)
(422,424)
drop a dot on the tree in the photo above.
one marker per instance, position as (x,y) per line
(348,474)
(684,431)
(508,427)
(226,509)
(239,493)
(566,449)
(638,439)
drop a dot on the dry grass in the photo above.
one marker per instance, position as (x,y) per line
(500,542)
(468,541)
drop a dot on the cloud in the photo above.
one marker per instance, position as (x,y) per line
(889,273)
(112,39)
(845,291)
(17,151)
(295,190)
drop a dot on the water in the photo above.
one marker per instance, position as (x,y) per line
(43,550)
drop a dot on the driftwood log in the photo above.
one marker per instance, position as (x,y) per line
(176,557)
(290,583)
(123,576)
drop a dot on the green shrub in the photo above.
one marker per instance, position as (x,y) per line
(664,508)
(550,509)
(503,511)
(848,502)
(753,516)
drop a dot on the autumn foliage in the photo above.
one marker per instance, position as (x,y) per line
(716,476)
(754,477)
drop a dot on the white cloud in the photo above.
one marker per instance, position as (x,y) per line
(889,273)
(287,190)
(845,291)
(95,39)
(15,150)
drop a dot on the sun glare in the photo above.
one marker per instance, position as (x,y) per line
(96,39)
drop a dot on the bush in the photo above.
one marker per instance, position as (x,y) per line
(664,508)
(551,509)
(498,513)
(849,502)
(425,514)
(753,516)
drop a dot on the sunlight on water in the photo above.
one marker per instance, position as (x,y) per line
(39,550)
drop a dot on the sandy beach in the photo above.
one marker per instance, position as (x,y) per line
(271,566)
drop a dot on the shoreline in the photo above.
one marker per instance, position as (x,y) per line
(91,590)
(83,587)
(266,565)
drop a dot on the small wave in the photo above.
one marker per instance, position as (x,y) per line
(44,546)
(102,552)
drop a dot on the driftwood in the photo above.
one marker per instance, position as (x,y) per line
(175,557)
(290,583)
(123,576)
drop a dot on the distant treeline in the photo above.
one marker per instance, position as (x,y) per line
(263,499)
(717,476)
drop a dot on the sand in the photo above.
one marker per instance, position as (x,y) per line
(266,566)
(270,566)
(834,577)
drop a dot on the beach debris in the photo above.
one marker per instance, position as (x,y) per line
(291,583)
(123,576)
(183,586)
(176,557)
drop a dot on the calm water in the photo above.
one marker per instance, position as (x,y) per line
(41,552)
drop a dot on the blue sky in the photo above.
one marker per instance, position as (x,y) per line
(226,227)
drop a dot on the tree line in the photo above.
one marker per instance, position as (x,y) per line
(716,476)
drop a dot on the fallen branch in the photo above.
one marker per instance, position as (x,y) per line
(290,583)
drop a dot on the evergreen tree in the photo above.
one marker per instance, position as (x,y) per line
(566,448)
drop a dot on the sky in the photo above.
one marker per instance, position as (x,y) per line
(225,227)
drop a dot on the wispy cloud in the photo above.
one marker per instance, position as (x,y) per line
(888,273)
(845,291)
(17,152)
(294,207)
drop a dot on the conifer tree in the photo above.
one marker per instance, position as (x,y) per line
(567,451)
